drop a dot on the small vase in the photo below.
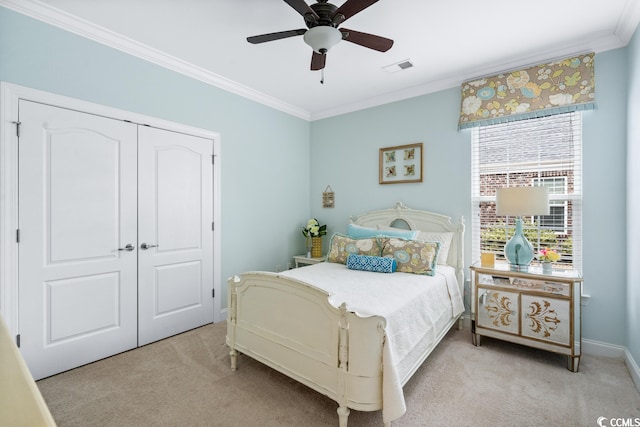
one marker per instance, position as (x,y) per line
(316,247)
(309,246)
(547,268)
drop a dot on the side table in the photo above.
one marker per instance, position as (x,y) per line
(303,260)
(529,308)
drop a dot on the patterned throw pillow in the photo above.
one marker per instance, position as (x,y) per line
(376,264)
(412,256)
(341,246)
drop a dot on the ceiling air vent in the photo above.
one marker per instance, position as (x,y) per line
(398,66)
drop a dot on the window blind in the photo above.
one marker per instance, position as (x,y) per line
(544,151)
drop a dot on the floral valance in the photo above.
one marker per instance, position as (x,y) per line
(542,90)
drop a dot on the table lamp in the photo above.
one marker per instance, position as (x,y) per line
(518,202)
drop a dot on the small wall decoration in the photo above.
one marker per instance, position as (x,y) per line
(327,198)
(401,164)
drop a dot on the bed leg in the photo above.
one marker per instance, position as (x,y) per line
(343,415)
(234,357)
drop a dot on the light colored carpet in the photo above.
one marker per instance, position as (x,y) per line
(186,381)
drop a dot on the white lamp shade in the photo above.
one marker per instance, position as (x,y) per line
(322,37)
(522,201)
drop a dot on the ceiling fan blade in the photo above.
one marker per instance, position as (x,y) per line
(371,41)
(302,8)
(275,36)
(351,7)
(318,61)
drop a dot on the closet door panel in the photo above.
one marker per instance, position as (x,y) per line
(77,207)
(175,207)
(179,186)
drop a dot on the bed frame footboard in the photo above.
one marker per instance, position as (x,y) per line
(290,326)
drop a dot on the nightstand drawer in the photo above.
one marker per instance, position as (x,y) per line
(522,284)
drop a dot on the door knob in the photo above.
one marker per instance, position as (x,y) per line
(145,246)
(129,247)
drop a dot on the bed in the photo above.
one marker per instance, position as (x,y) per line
(354,336)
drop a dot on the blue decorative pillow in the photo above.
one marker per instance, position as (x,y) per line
(371,263)
(360,232)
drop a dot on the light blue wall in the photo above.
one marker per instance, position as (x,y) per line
(265,153)
(633,199)
(275,166)
(344,152)
(604,221)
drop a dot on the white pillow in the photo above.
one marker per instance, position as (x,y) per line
(444,237)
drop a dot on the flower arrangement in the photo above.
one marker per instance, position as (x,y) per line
(548,255)
(314,229)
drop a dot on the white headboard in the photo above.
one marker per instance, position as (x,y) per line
(423,221)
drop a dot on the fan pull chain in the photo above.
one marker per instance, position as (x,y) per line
(322,76)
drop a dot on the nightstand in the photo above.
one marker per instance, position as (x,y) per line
(303,260)
(529,308)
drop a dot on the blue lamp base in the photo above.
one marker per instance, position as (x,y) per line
(518,250)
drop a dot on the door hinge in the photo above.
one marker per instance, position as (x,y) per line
(213,293)
(18,235)
(18,340)
(213,159)
(213,226)
(17,123)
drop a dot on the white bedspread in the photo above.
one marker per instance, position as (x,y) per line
(415,307)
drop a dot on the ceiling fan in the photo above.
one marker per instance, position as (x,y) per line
(322,20)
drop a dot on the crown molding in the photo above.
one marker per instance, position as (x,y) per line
(599,42)
(58,18)
(628,22)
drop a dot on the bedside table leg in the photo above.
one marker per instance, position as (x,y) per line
(475,339)
(573,363)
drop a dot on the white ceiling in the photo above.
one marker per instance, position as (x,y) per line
(447,41)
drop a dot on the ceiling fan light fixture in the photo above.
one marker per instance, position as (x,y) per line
(322,38)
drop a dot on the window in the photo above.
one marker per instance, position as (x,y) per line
(544,151)
(557,218)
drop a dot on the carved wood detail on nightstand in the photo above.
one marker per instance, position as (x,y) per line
(500,311)
(543,318)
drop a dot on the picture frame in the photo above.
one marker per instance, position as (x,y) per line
(400,164)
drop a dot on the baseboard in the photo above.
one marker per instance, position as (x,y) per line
(466,321)
(633,368)
(223,314)
(598,348)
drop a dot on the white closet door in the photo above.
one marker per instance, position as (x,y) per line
(175,208)
(77,208)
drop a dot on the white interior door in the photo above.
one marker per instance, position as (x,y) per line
(175,208)
(77,209)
